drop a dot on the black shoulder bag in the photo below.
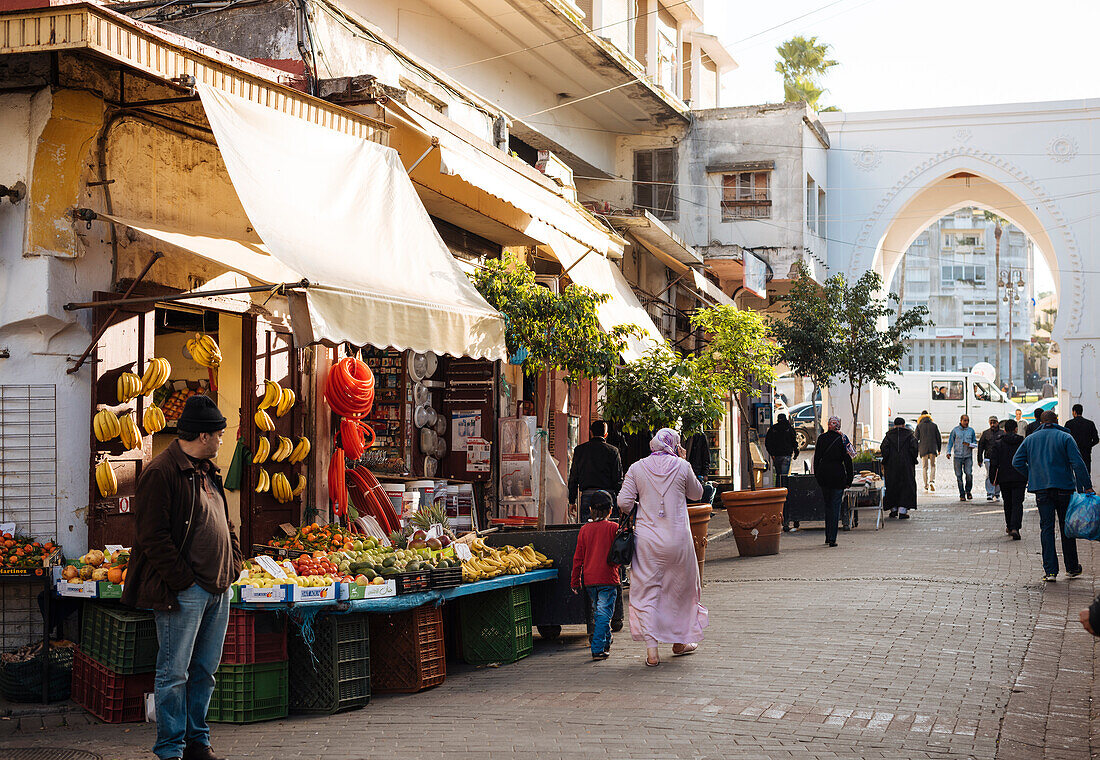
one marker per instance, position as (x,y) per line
(622,547)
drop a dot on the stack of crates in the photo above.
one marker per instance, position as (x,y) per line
(496,626)
(332,673)
(252,680)
(113,669)
(408,650)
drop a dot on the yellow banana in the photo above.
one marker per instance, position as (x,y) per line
(264,422)
(301,450)
(286,401)
(156,375)
(204,350)
(280,488)
(301,487)
(128,387)
(105,424)
(105,479)
(272,394)
(285,447)
(263,449)
(264,482)
(153,419)
(129,433)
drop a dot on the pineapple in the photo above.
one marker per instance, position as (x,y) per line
(427,516)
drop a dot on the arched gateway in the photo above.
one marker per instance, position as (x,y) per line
(893,173)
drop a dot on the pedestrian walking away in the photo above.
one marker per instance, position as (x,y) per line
(1010,480)
(1050,460)
(594,575)
(597,466)
(833,471)
(1084,434)
(989,436)
(782,445)
(899,462)
(184,558)
(1034,424)
(960,447)
(665,588)
(929,443)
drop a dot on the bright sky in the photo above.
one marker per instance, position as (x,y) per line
(896,55)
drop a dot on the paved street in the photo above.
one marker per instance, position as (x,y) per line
(931,638)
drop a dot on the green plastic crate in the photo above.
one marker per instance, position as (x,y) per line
(249,693)
(496,626)
(333,673)
(121,639)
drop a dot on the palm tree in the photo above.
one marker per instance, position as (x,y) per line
(802,62)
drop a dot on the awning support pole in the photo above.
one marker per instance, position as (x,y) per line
(570,267)
(416,163)
(275,289)
(157,255)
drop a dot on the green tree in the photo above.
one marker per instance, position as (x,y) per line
(870,348)
(741,357)
(803,62)
(809,331)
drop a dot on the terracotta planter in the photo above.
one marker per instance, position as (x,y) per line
(757,519)
(699,517)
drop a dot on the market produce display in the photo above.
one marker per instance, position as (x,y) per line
(204,350)
(489,562)
(173,404)
(105,479)
(106,426)
(128,387)
(98,565)
(320,538)
(153,419)
(156,375)
(23,551)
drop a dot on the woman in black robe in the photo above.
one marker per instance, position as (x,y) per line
(899,467)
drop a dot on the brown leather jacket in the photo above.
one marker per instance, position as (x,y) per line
(167,495)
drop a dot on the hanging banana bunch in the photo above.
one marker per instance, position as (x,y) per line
(156,375)
(128,387)
(105,479)
(153,419)
(204,350)
(263,449)
(301,451)
(129,433)
(273,394)
(106,426)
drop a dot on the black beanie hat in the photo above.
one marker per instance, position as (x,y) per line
(200,415)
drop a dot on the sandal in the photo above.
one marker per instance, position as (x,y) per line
(684,649)
(649,664)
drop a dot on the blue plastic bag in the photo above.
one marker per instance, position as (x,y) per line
(1083,517)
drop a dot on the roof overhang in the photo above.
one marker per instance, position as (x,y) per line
(715,50)
(655,236)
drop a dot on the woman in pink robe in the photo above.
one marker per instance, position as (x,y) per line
(664,577)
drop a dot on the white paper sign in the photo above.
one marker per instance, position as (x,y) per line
(464,424)
(271,566)
(124,505)
(477,455)
(112,548)
(462,551)
(7,528)
(434,532)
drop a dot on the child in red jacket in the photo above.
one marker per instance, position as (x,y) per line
(591,569)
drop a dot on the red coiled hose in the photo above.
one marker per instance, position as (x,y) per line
(349,388)
(337,487)
(353,437)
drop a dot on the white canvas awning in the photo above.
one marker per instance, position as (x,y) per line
(709,289)
(342,213)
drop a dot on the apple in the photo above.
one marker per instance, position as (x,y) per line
(419,535)
(361,580)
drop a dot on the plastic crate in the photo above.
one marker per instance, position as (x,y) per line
(111,697)
(410,583)
(407,650)
(123,640)
(22,681)
(446,577)
(333,674)
(254,637)
(496,626)
(249,693)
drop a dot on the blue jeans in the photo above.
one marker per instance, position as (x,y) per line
(1053,502)
(191,639)
(964,466)
(782,470)
(833,499)
(602,599)
(991,488)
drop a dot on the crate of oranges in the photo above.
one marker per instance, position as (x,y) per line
(25,558)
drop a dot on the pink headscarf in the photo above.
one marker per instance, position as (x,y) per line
(667,441)
(664,463)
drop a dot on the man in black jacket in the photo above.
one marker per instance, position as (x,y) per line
(1084,433)
(1011,482)
(833,471)
(988,437)
(1034,424)
(596,467)
(781,446)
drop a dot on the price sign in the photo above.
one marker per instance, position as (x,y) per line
(462,551)
(434,532)
(7,528)
(271,566)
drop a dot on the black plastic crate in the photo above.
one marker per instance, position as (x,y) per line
(333,673)
(446,577)
(410,583)
(22,681)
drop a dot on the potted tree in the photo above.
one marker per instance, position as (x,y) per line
(741,356)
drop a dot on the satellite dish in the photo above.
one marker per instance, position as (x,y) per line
(985,370)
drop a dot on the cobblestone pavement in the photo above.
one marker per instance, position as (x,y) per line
(931,638)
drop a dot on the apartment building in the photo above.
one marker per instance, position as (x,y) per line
(952,268)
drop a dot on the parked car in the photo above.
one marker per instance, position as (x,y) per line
(802,420)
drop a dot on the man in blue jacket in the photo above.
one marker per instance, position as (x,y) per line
(1054,468)
(960,445)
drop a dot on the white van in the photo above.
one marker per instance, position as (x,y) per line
(948,396)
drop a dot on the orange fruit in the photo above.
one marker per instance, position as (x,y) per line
(114,575)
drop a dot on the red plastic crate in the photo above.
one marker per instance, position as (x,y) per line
(407,650)
(111,697)
(253,638)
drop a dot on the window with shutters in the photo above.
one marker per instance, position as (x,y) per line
(746,195)
(655,182)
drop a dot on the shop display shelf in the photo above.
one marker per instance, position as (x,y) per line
(407,650)
(446,577)
(123,640)
(254,637)
(496,626)
(410,583)
(249,693)
(112,697)
(22,681)
(334,673)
